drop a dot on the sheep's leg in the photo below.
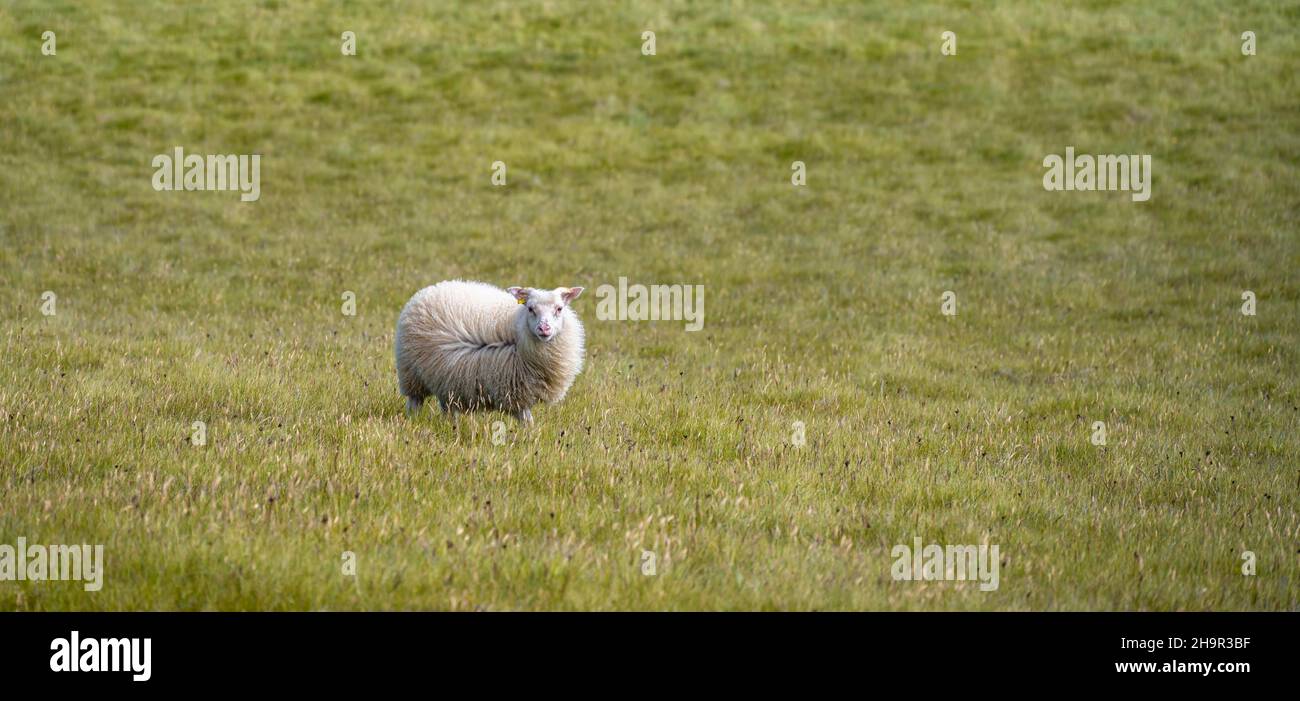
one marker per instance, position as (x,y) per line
(525,416)
(413,405)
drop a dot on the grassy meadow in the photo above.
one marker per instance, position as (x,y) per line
(822,303)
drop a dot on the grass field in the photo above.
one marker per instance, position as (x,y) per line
(822,303)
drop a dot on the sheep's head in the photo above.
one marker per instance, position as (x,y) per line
(544,310)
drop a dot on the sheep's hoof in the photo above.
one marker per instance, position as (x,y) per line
(413,406)
(525,417)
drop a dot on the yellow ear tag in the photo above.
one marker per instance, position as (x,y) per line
(520,301)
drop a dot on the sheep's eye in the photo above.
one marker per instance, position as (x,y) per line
(530,310)
(558,310)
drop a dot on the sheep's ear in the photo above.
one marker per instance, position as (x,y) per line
(519,293)
(568,294)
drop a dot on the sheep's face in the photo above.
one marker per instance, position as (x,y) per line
(544,310)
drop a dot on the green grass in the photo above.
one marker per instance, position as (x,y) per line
(822,303)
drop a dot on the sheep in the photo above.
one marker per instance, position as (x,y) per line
(477,347)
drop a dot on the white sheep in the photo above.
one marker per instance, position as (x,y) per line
(478,347)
